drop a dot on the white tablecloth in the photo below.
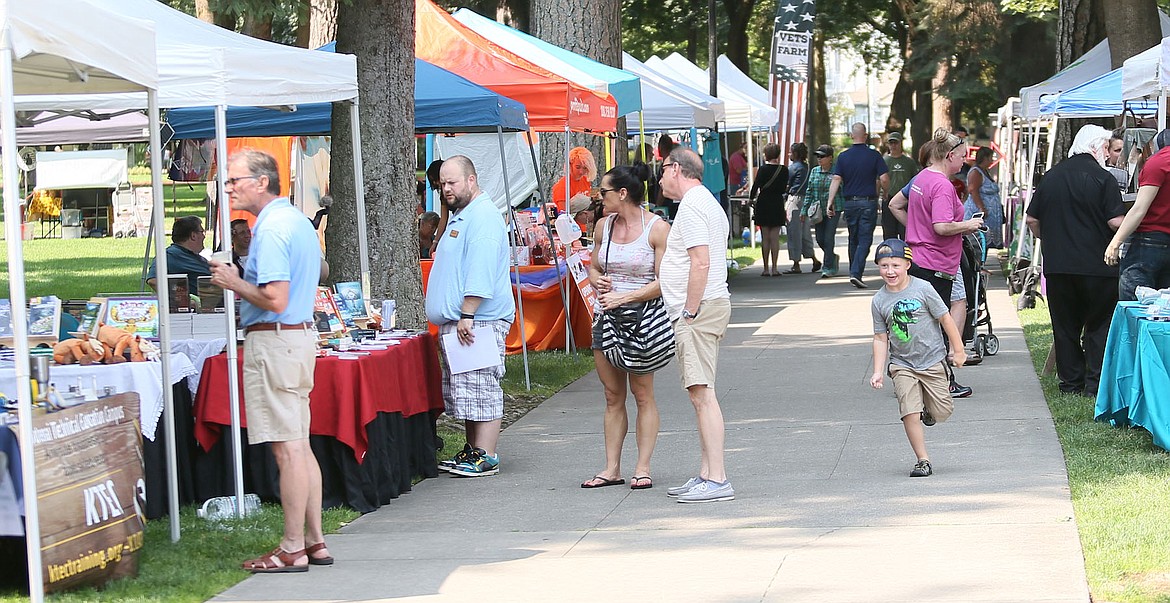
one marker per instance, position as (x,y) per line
(142,377)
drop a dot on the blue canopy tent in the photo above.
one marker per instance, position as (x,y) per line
(1098,97)
(443,102)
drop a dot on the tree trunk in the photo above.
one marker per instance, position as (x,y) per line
(514,13)
(304,27)
(1080,27)
(323,23)
(941,115)
(1132,27)
(818,118)
(591,29)
(921,122)
(258,25)
(380,34)
(739,15)
(203,11)
(901,104)
(226,19)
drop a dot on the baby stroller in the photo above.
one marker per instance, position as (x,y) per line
(978,314)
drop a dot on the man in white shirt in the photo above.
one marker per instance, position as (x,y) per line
(694,289)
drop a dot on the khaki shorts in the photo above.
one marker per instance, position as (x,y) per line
(697,343)
(927,390)
(278,376)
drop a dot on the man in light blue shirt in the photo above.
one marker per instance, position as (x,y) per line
(276,311)
(469,289)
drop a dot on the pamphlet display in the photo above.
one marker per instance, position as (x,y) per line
(137,316)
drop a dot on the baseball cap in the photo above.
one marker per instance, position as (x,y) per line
(1162,140)
(824,151)
(893,248)
(895,136)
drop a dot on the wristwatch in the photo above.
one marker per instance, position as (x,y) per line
(466,316)
(688,315)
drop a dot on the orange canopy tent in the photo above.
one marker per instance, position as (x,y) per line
(553,102)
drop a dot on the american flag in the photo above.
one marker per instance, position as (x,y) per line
(791,46)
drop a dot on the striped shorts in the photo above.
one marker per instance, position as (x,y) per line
(475,395)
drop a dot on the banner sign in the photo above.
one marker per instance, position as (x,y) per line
(792,39)
(581,276)
(90,491)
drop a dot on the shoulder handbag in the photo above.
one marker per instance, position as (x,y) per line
(635,337)
(775,175)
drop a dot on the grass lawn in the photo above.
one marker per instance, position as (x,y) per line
(1120,484)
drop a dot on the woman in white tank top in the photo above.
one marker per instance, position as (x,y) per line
(627,252)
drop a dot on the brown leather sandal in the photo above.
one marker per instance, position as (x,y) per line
(326,560)
(267,564)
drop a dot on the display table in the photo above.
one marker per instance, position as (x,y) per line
(142,377)
(544,312)
(1135,382)
(371,428)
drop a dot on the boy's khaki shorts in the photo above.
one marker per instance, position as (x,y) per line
(927,390)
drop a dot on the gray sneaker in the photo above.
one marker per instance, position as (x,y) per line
(708,491)
(683,489)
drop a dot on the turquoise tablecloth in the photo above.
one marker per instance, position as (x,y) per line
(1135,382)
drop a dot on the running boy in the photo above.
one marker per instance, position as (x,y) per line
(907,314)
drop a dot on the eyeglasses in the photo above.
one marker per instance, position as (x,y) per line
(666,165)
(603,191)
(233,181)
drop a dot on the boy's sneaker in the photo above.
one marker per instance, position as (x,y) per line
(921,469)
(708,491)
(960,391)
(462,455)
(479,464)
(927,419)
(683,489)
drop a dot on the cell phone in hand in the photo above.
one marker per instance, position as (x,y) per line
(978,215)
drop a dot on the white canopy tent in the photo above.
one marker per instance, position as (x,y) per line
(730,74)
(743,112)
(663,109)
(53,129)
(677,88)
(200,64)
(46,47)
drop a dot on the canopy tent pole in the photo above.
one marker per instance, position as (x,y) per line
(429,152)
(514,262)
(359,187)
(606,144)
(1051,140)
(1033,152)
(548,227)
(569,348)
(229,307)
(1161,108)
(18,297)
(751,181)
(647,202)
(731,235)
(164,312)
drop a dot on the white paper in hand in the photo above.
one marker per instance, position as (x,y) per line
(482,353)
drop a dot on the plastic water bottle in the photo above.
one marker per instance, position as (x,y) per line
(747,236)
(224,507)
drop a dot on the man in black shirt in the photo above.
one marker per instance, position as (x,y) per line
(1075,211)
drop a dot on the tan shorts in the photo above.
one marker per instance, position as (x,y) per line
(697,343)
(927,389)
(278,376)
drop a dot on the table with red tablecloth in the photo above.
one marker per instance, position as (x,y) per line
(544,313)
(371,420)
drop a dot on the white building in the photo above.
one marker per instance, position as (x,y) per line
(854,94)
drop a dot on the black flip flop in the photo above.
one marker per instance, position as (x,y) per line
(635,485)
(604,482)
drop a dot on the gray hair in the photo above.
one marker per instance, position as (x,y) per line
(1091,139)
(260,164)
(689,162)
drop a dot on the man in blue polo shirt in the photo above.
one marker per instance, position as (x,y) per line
(861,177)
(469,289)
(280,348)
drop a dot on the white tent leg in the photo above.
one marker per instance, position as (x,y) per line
(164,313)
(564,294)
(229,307)
(1161,108)
(359,189)
(548,228)
(16,293)
(515,264)
(751,181)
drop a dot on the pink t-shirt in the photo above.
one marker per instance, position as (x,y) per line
(932,201)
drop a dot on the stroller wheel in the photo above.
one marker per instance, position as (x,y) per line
(980,344)
(991,347)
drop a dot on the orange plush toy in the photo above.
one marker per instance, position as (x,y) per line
(81,351)
(116,342)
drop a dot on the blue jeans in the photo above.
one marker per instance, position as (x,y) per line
(860,218)
(1146,263)
(826,232)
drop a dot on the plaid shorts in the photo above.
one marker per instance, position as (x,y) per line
(475,395)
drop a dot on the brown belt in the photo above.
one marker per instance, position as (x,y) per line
(277,326)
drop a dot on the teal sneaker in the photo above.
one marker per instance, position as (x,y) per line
(478,465)
(462,455)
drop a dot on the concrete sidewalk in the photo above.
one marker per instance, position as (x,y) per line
(824,510)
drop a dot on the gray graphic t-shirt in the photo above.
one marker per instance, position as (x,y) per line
(910,317)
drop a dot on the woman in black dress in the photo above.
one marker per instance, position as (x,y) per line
(767,195)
